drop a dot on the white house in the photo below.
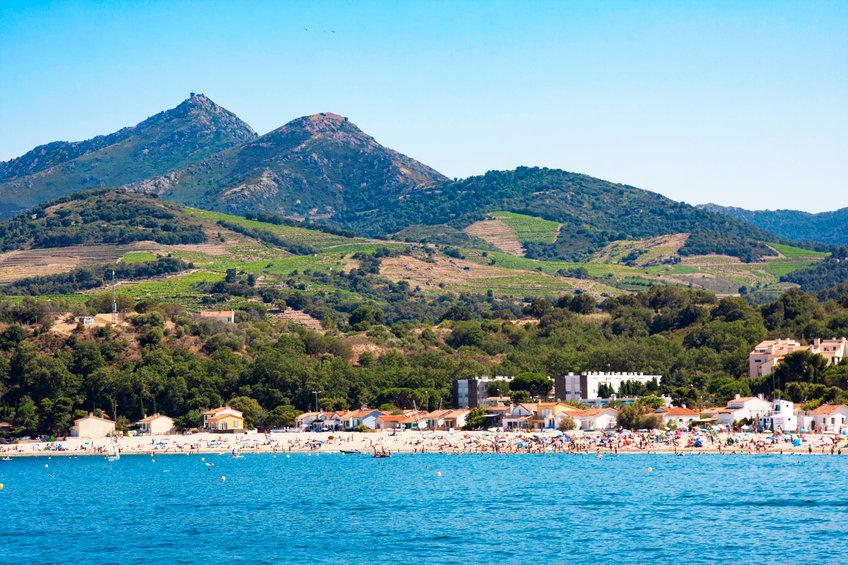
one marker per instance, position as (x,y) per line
(679,416)
(782,417)
(830,418)
(595,418)
(390,421)
(518,417)
(157,424)
(93,427)
(306,419)
(366,417)
(435,420)
(455,419)
(741,408)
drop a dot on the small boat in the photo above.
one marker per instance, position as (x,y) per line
(349,451)
(381,454)
(7,458)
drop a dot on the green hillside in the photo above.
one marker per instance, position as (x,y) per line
(593,212)
(824,227)
(99,217)
(529,229)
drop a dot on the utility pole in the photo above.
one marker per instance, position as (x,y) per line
(114,301)
(315,392)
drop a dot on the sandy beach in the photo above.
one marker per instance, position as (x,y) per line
(441,442)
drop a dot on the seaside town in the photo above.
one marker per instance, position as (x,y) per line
(581,414)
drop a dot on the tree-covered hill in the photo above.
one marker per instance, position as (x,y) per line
(159,358)
(831,272)
(99,217)
(169,140)
(592,212)
(824,227)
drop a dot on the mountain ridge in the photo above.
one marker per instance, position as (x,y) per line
(323,168)
(829,227)
(168,140)
(312,166)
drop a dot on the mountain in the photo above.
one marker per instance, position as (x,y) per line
(169,140)
(591,211)
(315,166)
(824,227)
(324,168)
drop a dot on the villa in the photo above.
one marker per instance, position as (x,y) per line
(743,408)
(519,417)
(307,418)
(829,418)
(93,427)
(770,353)
(782,417)
(455,419)
(223,419)
(680,416)
(157,424)
(363,417)
(595,418)
(390,421)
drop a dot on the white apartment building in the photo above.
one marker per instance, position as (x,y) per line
(584,386)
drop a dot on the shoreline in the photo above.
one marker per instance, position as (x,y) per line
(440,442)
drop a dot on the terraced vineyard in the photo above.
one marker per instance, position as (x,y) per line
(529,229)
(621,266)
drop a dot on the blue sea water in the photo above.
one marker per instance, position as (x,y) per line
(482,509)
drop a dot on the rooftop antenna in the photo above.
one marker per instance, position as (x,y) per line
(114,301)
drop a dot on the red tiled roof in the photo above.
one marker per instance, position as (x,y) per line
(391,418)
(680,411)
(590,412)
(827,409)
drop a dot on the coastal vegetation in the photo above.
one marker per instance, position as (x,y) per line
(160,358)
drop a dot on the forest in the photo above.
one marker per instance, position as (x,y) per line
(821,276)
(99,217)
(593,212)
(163,359)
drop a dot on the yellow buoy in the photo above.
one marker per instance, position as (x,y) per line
(438,473)
(45,465)
(223,478)
(1,486)
(650,469)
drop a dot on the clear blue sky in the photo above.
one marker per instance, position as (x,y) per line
(741,103)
